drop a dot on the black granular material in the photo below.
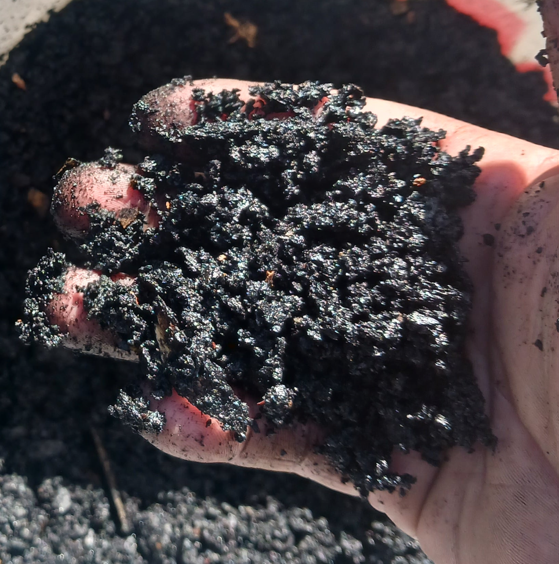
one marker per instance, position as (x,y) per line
(84,69)
(309,261)
(178,527)
(45,280)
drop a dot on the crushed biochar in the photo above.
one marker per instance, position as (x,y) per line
(304,258)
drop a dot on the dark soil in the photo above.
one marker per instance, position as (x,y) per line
(308,262)
(84,69)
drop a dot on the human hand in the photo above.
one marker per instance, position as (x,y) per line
(477,507)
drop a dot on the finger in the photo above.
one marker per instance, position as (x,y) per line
(191,435)
(92,185)
(163,116)
(173,107)
(66,310)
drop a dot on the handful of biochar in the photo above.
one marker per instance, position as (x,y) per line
(302,258)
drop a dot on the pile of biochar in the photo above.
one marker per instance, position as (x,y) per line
(303,258)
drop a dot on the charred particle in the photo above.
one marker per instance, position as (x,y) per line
(542,57)
(539,250)
(68,165)
(543,292)
(538,343)
(43,282)
(488,239)
(133,409)
(309,262)
(497,226)
(111,158)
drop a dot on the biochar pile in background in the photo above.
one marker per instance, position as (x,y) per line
(83,70)
(310,261)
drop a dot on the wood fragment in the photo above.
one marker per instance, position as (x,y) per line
(127,216)
(118,504)
(270,277)
(245,30)
(68,165)
(18,81)
(39,200)
(163,325)
(399,7)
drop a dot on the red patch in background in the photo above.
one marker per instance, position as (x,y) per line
(509,27)
(491,13)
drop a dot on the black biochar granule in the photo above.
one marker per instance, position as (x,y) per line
(45,280)
(307,259)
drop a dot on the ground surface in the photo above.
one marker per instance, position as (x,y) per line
(83,71)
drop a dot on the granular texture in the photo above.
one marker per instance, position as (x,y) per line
(58,518)
(309,261)
(43,282)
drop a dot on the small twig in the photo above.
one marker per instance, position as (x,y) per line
(111,481)
(549,10)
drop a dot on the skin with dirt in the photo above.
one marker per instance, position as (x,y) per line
(303,257)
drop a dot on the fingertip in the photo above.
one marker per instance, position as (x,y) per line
(162,116)
(190,434)
(94,185)
(67,311)
(164,113)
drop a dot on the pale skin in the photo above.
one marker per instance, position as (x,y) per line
(497,507)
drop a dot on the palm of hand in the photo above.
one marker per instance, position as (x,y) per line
(504,507)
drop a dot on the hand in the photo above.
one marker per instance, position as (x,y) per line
(500,507)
